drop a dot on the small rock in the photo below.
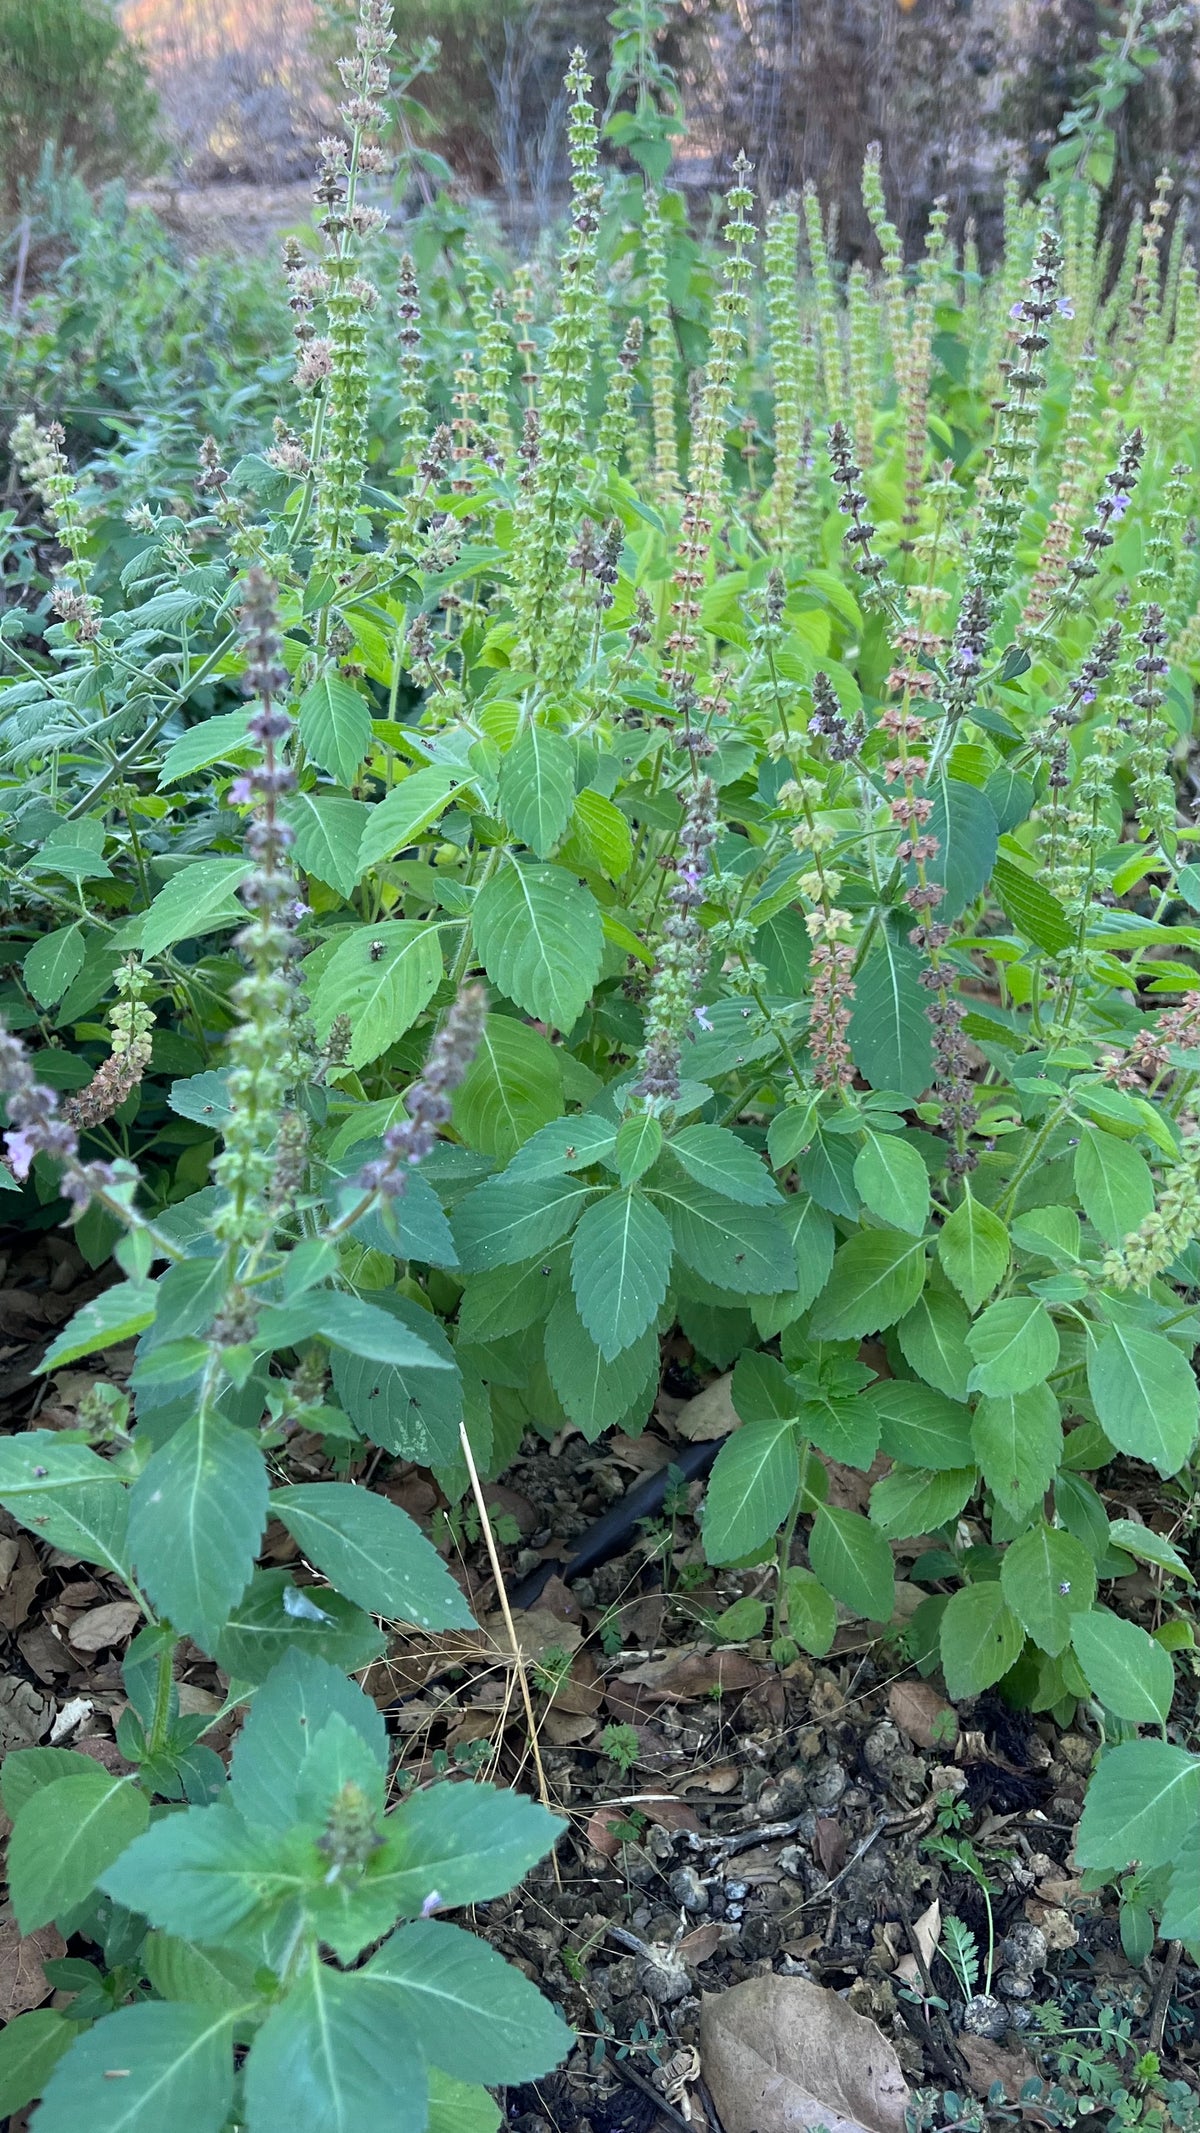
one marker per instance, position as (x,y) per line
(881,1744)
(1015,1984)
(1076,1752)
(986,2016)
(688,1890)
(663,1977)
(1024,1947)
(947,1777)
(659,1844)
(809,1742)
(760,1936)
(826,1700)
(827,1781)
(1057,1930)
(907,1777)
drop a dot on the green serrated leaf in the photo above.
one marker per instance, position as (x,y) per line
(854,1562)
(335,725)
(877,1277)
(1145,1393)
(328,830)
(1143,1803)
(201,898)
(64,1836)
(1018,1444)
(981,1639)
(1047,1576)
(893,1182)
(53,963)
(397,821)
(372,1552)
(537,787)
(143,2068)
(620,1264)
(974,1249)
(718,1159)
(1015,1345)
(889,1032)
(196,1515)
(381,976)
(474,2013)
(1114,1184)
(1125,1667)
(539,936)
(912,1500)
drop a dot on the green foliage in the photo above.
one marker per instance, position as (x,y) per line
(653,891)
(71,79)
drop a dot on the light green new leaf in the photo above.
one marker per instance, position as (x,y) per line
(196,1515)
(637,1145)
(540,939)
(336,2056)
(1114,1183)
(513,1086)
(66,1494)
(64,1836)
(1125,1667)
(474,2013)
(208,1977)
(1145,1393)
(413,1409)
(893,1182)
(981,1639)
(1148,1546)
(410,1340)
(144,2068)
(279,1731)
(399,820)
(974,1249)
(1015,1345)
(1018,1443)
(381,976)
(717,1158)
(372,1552)
(1047,1576)
(537,787)
(877,1277)
(912,1500)
(620,1264)
(811,1612)
(752,1488)
(1143,1803)
(328,830)
(335,725)
(201,898)
(53,963)
(854,1562)
(221,739)
(595,1391)
(500,1224)
(117,1314)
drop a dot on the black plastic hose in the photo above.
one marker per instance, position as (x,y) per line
(618,1526)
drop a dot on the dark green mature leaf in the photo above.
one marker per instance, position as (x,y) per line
(540,938)
(200,1873)
(68,1496)
(980,1639)
(913,1500)
(53,963)
(196,1515)
(267,1623)
(337,2055)
(1114,1183)
(398,820)
(364,1329)
(502,1223)
(335,725)
(922,1427)
(893,1182)
(1145,1393)
(280,1730)
(413,1410)
(1015,1345)
(31,2045)
(117,1314)
(889,1033)
(744,1249)
(596,1391)
(853,1560)
(202,898)
(1180,1918)
(1018,1443)
(752,1488)
(933,1342)
(1143,1803)
(475,2014)
(1030,908)
(1047,1576)
(143,2068)
(974,1249)
(620,1264)
(64,1836)
(207,1977)
(964,824)
(537,787)
(372,1552)
(328,829)
(467,1842)
(877,1277)
(717,1158)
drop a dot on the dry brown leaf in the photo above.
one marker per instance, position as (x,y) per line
(667,1811)
(722,1779)
(693,1671)
(926,1717)
(829,1843)
(22,1980)
(538,1632)
(710,1415)
(42,1651)
(567,1729)
(602,1830)
(580,1692)
(988,2062)
(113,1623)
(928,1930)
(702,1942)
(24,1714)
(20,1585)
(780,2055)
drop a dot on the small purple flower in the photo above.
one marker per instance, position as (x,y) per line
(241,792)
(1066,308)
(967,655)
(433,1902)
(702,1017)
(1017,310)
(1089,696)
(22,1147)
(1120,505)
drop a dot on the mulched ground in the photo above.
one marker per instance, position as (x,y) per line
(725,1818)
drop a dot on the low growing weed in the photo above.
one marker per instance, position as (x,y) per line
(707,861)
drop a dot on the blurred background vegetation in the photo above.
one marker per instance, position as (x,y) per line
(960,93)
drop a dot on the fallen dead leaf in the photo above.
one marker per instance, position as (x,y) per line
(24,1577)
(722,1779)
(928,1931)
(702,1942)
(693,1671)
(580,1691)
(538,1632)
(710,1415)
(926,1717)
(602,1828)
(70,1718)
(988,2062)
(667,1811)
(567,1729)
(25,1715)
(100,1627)
(829,1843)
(780,2054)
(23,1982)
(1055,1923)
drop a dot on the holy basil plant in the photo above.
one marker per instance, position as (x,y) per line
(699,863)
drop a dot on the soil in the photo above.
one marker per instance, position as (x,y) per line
(726,1818)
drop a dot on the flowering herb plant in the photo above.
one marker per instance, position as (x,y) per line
(727,875)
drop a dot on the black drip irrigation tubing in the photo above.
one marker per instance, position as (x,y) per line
(617,1527)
